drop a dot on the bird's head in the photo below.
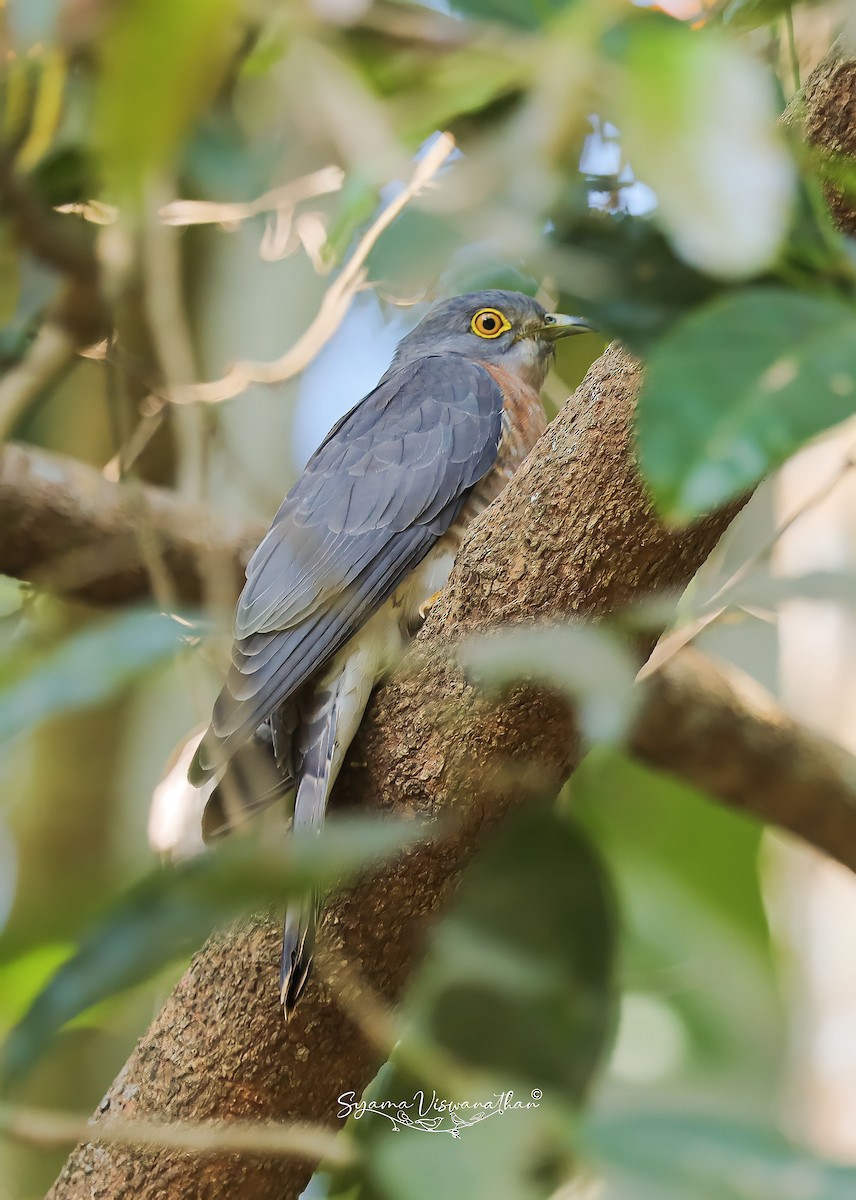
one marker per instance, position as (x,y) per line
(506,329)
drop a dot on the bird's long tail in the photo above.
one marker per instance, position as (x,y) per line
(310,804)
(327,729)
(298,947)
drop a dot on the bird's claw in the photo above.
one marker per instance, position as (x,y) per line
(426,606)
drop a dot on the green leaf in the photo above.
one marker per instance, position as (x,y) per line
(65,175)
(425,91)
(749,14)
(23,977)
(11,596)
(37,288)
(496,1158)
(738,387)
(699,125)
(515,996)
(411,249)
(355,205)
(170,912)
(161,63)
(584,662)
(474,268)
(518,979)
(221,164)
(268,50)
(682,1156)
(760,590)
(84,669)
(701,949)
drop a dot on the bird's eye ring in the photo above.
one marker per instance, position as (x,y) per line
(489,323)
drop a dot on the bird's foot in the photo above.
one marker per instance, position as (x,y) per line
(428,604)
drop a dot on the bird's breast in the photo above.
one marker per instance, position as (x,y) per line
(523,422)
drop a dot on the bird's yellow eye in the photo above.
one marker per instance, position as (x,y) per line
(489,323)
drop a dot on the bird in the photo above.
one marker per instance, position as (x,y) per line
(358,552)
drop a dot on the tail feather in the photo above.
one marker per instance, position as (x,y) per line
(184,818)
(251,781)
(330,716)
(310,804)
(298,946)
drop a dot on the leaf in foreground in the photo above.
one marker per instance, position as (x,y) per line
(737,388)
(586,663)
(85,668)
(518,980)
(698,117)
(517,993)
(170,913)
(697,1157)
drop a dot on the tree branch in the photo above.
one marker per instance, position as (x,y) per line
(828,105)
(722,732)
(695,721)
(64,526)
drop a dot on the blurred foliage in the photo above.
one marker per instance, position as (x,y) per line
(668,68)
(160,64)
(705,438)
(669,1156)
(751,14)
(170,913)
(83,669)
(699,953)
(538,959)
(594,669)
(728,277)
(515,998)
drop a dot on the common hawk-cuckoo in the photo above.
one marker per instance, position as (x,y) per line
(360,546)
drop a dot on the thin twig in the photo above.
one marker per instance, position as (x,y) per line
(167,321)
(208,212)
(213,212)
(792,49)
(96,212)
(132,446)
(43,1127)
(717,605)
(46,358)
(333,306)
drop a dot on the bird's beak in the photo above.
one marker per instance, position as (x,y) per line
(558,325)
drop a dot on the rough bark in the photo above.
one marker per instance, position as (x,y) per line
(829,104)
(62,524)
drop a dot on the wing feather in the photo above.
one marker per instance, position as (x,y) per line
(375,497)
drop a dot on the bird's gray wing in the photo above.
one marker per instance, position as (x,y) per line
(384,486)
